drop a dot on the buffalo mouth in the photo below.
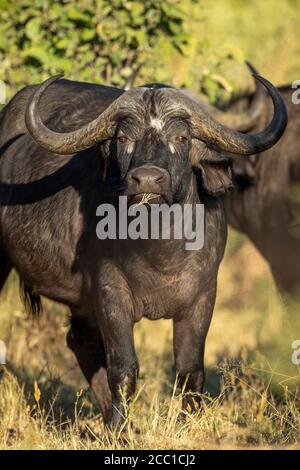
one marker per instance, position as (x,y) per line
(146,199)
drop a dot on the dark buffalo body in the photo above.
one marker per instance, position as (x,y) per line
(67,148)
(266,203)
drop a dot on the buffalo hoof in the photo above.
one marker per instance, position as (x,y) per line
(126,435)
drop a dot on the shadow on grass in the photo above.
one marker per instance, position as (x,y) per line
(61,402)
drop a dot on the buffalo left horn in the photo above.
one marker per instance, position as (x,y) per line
(242,121)
(206,128)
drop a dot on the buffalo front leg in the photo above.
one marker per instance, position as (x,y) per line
(85,340)
(122,364)
(190,332)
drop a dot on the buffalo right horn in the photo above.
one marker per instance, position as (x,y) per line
(101,128)
(242,121)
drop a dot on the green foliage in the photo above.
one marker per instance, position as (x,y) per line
(199,44)
(96,40)
(263,32)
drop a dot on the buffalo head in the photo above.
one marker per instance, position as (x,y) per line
(157,137)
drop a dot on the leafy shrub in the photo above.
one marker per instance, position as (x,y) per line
(96,40)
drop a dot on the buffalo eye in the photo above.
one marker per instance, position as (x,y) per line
(181,139)
(122,139)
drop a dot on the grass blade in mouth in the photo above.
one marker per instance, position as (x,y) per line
(146,197)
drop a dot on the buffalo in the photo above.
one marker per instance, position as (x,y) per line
(68,147)
(265,204)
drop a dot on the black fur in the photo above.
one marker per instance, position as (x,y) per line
(30,299)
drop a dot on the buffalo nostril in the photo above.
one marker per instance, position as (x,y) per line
(147,175)
(160,178)
(136,178)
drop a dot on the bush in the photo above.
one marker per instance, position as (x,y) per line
(93,40)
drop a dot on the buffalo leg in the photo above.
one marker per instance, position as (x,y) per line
(190,332)
(122,364)
(85,340)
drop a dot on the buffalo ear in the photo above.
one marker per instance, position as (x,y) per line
(213,169)
(215,177)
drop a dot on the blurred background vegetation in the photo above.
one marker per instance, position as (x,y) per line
(195,43)
(251,380)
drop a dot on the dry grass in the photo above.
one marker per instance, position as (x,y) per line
(250,400)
